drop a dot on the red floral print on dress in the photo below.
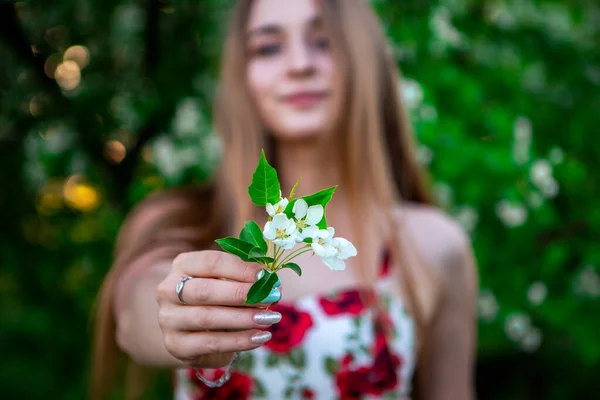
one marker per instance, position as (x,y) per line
(307,394)
(385,264)
(350,302)
(376,379)
(290,331)
(238,387)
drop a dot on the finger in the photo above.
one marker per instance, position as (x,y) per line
(192,345)
(216,292)
(217,318)
(216,264)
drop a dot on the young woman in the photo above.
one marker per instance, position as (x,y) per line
(312,82)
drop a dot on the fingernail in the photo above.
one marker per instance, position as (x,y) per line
(261,337)
(261,274)
(274,296)
(267,317)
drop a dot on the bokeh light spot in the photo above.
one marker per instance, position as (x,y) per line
(114,151)
(68,75)
(79,54)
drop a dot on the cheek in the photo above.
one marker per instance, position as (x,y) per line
(261,77)
(327,67)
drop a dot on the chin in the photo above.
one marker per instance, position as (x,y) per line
(301,128)
(301,134)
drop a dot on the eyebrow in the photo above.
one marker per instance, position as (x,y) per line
(273,29)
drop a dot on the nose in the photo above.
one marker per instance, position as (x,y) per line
(300,58)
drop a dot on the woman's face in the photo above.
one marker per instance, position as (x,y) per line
(290,70)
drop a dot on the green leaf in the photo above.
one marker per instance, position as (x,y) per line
(330,365)
(245,361)
(289,391)
(265,187)
(294,189)
(251,233)
(262,260)
(321,197)
(259,389)
(236,246)
(261,288)
(297,358)
(294,267)
(258,256)
(272,360)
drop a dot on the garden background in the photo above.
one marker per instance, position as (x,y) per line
(104,101)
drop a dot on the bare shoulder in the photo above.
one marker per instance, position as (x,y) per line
(441,241)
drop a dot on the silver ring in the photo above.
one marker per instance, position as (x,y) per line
(179,288)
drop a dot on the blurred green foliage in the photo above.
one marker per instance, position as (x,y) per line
(103,102)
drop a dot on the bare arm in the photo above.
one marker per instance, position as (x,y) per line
(448,366)
(138,332)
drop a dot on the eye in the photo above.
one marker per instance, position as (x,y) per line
(267,50)
(321,43)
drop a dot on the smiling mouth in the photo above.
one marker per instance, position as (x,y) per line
(305,99)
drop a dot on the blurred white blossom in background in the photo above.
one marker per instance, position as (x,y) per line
(467,217)
(445,34)
(512,214)
(412,93)
(522,140)
(516,325)
(537,293)
(487,305)
(532,339)
(556,156)
(424,155)
(188,119)
(443,194)
(540,175)
(587,282)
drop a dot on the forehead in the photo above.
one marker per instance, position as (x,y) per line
(282,12)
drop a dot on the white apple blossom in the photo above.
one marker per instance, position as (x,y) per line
(345,249)
(333,251)
(277,208)
(306,219)
(321,243)
(282,231)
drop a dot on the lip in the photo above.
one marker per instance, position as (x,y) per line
(305,98)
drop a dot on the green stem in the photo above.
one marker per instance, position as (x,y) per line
(279,254)
(295,254)
(274,253)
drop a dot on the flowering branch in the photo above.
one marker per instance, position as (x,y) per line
(290,222)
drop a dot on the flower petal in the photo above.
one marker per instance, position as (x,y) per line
(310,232)
(315,214)
(286,244)
(323,234)
(290,228)
(298,237)
(280,221)
(318,249)
(334,263)
(270,209)
(300,208)
(331,231)
(282,205)
(269,233)
(345,247)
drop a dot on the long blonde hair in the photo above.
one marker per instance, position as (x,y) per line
(377,148)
